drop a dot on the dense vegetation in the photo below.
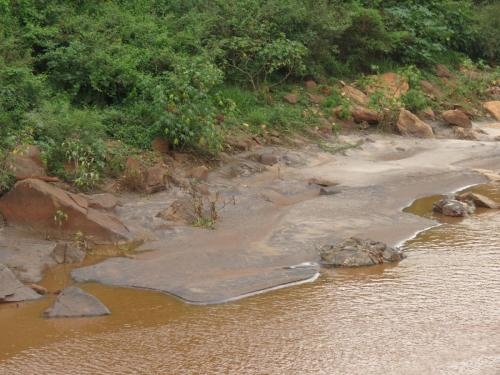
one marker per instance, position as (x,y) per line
(76,73)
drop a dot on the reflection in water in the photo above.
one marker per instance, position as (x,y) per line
(437,312)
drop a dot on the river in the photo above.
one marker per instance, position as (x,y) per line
(437,312)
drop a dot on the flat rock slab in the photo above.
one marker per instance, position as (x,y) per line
(26,256)
(216,287)
(73,302)
(12,290)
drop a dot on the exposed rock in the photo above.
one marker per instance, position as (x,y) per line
(310,84)
(268,158)
(68,252)
(181,211)
(452,207)
(392,85)
(458,118)
(73,302)
(466,134)
(493,108)
(355,252)
(316,99)
(323,182)
(430,89)
(155,179)
(360,114)
(291,98)
(25,161)
(410,125)
(356,95)
(105,201)
(325,90)
(199,173)
(427,114)
(11,289)
(442,71)
(39,289)
(478,200)
(160,145)
(37,204)
(329,190)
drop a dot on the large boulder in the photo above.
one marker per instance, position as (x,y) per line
(478,200)
(43,207)
(73,302)
(458,118)
(11,289)
(410,125)
(493,108)
(355,252)
(451,207)
(392,85)
(25,161)
(360,114)
(355,95)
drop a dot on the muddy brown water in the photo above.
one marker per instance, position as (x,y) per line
(437,312)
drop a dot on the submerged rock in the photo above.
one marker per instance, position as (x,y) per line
(11,289)
(452,207)
(73,302)
(355,252)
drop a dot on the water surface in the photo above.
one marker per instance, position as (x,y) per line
(437,312)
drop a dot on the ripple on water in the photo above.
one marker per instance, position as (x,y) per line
(437,312)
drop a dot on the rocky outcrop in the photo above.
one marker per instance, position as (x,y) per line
(493,108)
(73,302)
(25,161)
(68,252)
(392,85)
(355,252)
(360,114)
(104,201)
(451,207)
(11,289)
(43,207)
(160,145)
(355,95)
(138,177)
(410,125)
(466,134)
(458,118)
(478,200)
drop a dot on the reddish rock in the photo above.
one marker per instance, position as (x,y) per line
(105,201)
(430,89)
(360,114)
(199,173)
(392,85)
(25,161)
(465,134)
(291,98)
(316,99)
(155,179)
(325,90)
(160,145)
(35,204)
(427,114)
(410,125)
(493,108)
(443,72)
(458,118)
(356,95)
(310,84)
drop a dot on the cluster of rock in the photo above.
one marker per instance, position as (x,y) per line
(463,204)
(355,252)
(393,86)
